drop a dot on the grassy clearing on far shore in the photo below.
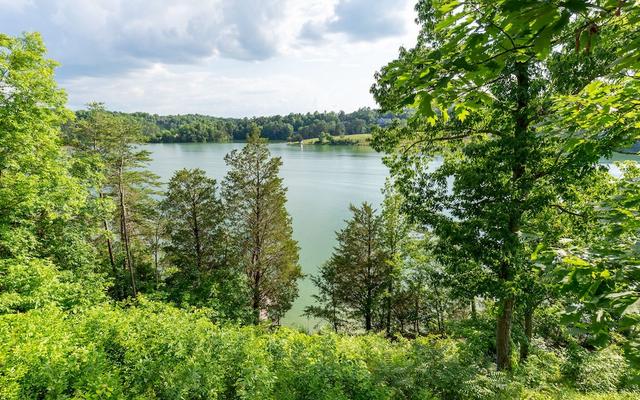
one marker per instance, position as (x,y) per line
(361,139)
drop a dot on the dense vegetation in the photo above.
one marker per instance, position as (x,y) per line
(291,127)
(499,228)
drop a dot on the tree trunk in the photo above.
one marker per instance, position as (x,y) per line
(156,249)
(109,245)
(528,332)
(474,314)
(503,335)
(503,331)
(388,316)
(417,320)
(368,312)
(257,247)
(124,232)
(439,311)
(256,298)
(112,260)
(196,237)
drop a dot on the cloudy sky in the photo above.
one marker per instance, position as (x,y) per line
(218,57)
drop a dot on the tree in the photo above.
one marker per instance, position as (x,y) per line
(395,233)
(45,252)
(329,306)
(110,143)
(354,278)
(36,188)
(260,228)
(484,79)
(197,245)
(194,224)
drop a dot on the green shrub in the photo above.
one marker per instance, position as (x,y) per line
(26,284)
(601,371)
(150,350)
(543,368)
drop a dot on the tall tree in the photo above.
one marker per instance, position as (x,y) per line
(356,276)
(36,188)
(197,246)
(484,78)
(260,227)
(395,237)
(45,253)
(329,305)
(194,224)
(110,143)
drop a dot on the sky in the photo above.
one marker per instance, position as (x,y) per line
(232,58)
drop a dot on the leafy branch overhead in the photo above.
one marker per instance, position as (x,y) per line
(467,45)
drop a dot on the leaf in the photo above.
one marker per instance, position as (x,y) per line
(633,308)
(424,104)
(573,260)
(462,114)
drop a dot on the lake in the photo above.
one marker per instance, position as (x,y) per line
(322,181)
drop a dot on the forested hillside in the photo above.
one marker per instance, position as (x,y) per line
(291,127)
(501,264)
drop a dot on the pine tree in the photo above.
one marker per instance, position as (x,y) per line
(261,228)
(329,306)
(110,144)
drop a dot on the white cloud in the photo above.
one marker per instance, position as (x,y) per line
(222,57)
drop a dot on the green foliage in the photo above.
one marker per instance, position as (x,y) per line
(36,189)
(115,170)
(151,350)
(363,139)
(357,267)
(197,249)
(602,371)
(501,133)
(382,276)
(601,273)
(260,228)
(27,284)
(203,128)
(516,174)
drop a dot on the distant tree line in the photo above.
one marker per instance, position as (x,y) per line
(197,128)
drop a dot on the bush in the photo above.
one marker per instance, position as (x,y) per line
(26,284)
(150,350)
(543,369)
(601,371)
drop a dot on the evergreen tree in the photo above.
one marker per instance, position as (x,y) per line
(109,143)
(197,246)
(260,228)
(355,276)
(329,306)
(395,238)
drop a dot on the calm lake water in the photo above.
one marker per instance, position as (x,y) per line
(322,181)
